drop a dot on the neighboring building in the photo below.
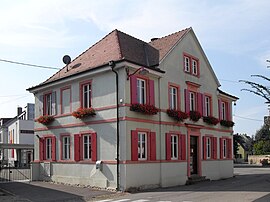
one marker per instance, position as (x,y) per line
(17,136)
(244,143)
(154,150)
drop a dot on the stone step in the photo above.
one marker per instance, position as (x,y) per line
(196,179)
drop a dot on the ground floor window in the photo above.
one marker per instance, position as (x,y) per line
(225,148)
(85,147)
(66,147)
(47,148)
(175,146)
(143,145)
(209,147)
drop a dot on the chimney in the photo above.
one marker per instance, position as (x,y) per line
(19,111)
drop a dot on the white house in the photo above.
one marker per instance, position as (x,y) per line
(17,137)
(173,121)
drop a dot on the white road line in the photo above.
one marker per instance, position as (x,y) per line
(141,200)
(112,200)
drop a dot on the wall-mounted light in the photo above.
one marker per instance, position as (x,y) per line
(142,71)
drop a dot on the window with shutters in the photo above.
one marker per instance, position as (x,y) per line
(47,148)
(224,110)
(174,100)
(191,65)
(175,146)
(209,147)
(86,94)
(85,147)
(192,100)
(225,148)
(47,104)
(142,90)
(65,147)
(143,145)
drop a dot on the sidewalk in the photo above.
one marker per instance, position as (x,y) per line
(46,191)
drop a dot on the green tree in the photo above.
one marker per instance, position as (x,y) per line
(263,133)
(262,147)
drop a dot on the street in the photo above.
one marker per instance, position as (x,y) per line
(251,183)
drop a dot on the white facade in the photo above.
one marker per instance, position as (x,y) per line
(154,150)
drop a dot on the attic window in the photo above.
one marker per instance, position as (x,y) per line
(191,65)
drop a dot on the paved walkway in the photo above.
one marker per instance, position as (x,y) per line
(45,191)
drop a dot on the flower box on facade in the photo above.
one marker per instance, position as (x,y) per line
(194,116)
(83,113)
(177,114)
(227,123)
(210,120)
(46,119)
(144,108)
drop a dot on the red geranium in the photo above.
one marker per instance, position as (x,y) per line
(83,112)
(46,119)
(177,114)
(194,115)
(144,108)
(210,120)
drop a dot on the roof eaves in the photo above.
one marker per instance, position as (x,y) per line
(227,94)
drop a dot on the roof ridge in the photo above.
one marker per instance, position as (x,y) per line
(115,30)
(132,36)
(189,28)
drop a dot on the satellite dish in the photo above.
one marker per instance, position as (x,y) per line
(66,59)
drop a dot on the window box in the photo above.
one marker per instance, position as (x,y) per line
(210,120)
(84,112)
(177,114)
(144,108)
(194,116)
(227,123)
(46,119)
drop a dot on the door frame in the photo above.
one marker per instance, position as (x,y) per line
(194,131)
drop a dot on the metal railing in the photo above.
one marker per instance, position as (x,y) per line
(10,173)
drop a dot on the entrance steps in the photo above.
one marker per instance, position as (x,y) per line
(193,179)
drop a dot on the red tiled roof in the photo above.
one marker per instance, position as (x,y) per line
(165,44)
(120,46)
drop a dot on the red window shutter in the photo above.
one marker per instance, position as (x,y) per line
(183,147)
(133,89)
(221,147)
(229,150)
(40,105)
(94,147)
(152,146)
(214,146)
(179,147)
(229,116)
(151,92)
(134,145)
(77,147)
(168,146)
(200,103)
(41,149)
(187,103)
(219,109)
(54,106)
(204,148)
(54,148)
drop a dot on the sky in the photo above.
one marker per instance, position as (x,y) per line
(234,35)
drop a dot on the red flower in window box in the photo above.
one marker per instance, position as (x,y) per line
(144,108)
(83,112)
(210,120)
(177,114)
(194,115)
(46,119)
(227,123)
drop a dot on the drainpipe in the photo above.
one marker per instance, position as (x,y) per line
(112,65)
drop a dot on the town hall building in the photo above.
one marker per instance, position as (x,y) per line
(127,113)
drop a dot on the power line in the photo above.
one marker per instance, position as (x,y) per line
(13,95)
(26,64)
(247,118)
(229,80)
(8,101)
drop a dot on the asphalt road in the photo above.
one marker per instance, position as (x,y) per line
(249,184)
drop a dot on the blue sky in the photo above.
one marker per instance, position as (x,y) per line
(234,35)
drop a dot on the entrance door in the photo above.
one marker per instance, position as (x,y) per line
(193,155)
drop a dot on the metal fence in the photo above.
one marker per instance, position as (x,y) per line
(11,173)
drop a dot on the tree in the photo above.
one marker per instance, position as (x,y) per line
(263,133)
(257,88)
(262,147)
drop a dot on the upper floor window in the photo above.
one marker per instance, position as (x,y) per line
(86,95)
(224,110)
(141,91)
(47,104)
(173,97)
(207,103)
(191,65)
(192,99)
(65,100)
(187,64)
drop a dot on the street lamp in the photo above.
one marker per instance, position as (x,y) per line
(141,70)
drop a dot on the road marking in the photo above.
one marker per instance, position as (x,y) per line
(120,200)
(141,200)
